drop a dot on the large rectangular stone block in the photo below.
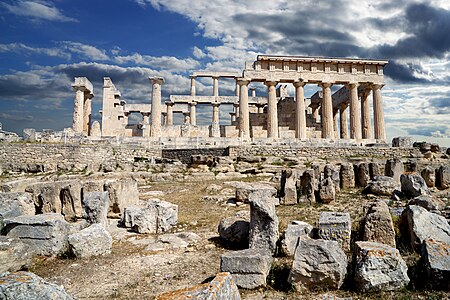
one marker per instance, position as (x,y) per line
(248,267)
(336,226)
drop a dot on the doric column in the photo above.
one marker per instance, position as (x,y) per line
(187,118)
(238,89)
(233,116)
(300,111)
(365,115)
(244,116)
(155,129)
(236,109)
(164,114)
(335,123)
(169,106)
(355,121)
(78,118)
(327,111)
(378,113)
(315,112)
(193,113)
(192,86)
(272,113)
(343,120)
(87,112)
(253,91)
(215,86)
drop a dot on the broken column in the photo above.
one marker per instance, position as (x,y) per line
(83,93)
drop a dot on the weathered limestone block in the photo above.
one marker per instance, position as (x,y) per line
(45,197)
(96,206)
(327,191)
(248,267)
(362,174)
(26,285)
(156,216)
(263,221)
(307,187)
(288,186)
(382,185)
(222,287)
(243,190)
(435,148)
(14,205)
(347,176)
(443,174)
(294,231)
(318,263)
(91,241)
(332,172)
(428,202)
(235,230)
(436,264)
(374,170)
(122,193)
(14,254)
(420,224)
(378,226)
(429,175)
(402,141)
(413,185)
(46,234)
(92,186)
(70,197)
(379,267)
(335,226)
(394,168)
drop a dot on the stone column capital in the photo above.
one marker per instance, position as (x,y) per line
(236,104)
(169,103)
(192,76)
(146,114)
(352,85)
(300,83)
(215,104)
(193,103)
(271,83)
(325,84)
(242,81)
(343,105)
(77,88)
(90,96)
(376,86)
(158,80)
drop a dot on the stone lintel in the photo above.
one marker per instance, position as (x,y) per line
(138,108)
(82,83)
(214,74)
(322,59)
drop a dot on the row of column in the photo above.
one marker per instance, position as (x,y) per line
(82,110)
(359,128)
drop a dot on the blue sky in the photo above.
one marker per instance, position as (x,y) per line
(44,44)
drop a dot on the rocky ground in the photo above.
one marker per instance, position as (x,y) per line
(133,271)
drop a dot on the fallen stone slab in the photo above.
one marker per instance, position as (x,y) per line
(14,254)
(96,207)
(335,226)
(235,230)
(46,234)
(294,231)
(436,263)
(420,224)
(91,241)
(264,223)
(377,225)
(428,202)
(173,241)
(222,287)
(155,216)
(26,285)
(318,264)
(248,267)
(382,186)
(14,205)
(379,267)
(413,185)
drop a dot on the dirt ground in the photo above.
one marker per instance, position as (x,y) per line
(131,272)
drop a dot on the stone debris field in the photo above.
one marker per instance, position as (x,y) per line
(259,222)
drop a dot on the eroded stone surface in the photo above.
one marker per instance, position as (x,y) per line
(335,226)
(378,225)
(235,229)
(436,263)
(91,241)
(14,254)
(294,231)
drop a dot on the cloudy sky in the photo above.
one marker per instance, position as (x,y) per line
(44,44)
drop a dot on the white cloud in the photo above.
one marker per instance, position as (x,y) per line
(86,51)
(159,62)
(22,48)
(198,53)
(37,10)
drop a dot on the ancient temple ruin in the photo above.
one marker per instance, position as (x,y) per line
(344,114)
